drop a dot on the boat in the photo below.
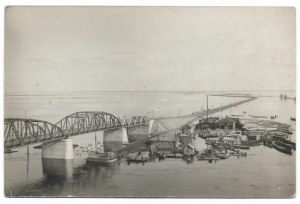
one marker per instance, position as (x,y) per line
(293,144)
(207,158)
(99,156)
(286,143)
(241,147)
(251,143)
(240,154)
(223,155)
(188,159)
(178,155)
(170,155)
(102,158)
(280,148)
(283,144)
(137,158)
(268,143)
(40,146)
(203,157)
(161,156)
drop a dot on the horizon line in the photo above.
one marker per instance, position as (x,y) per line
(16,93)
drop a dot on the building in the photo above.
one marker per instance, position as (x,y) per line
(255,134)
(189,150)
(166,140)
(188,128)
(207,123)
(229,123)
(185,143)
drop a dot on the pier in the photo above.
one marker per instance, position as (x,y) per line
(200,114)
(173,123)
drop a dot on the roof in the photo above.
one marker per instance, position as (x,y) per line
(229,120)
(189,125)
(167,137)
(209,120)
(212,119)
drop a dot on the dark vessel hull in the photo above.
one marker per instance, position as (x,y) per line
(281,148)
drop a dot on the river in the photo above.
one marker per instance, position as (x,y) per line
(264,173)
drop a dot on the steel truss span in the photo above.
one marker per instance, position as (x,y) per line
(132,120)
(84,122)
(21,132)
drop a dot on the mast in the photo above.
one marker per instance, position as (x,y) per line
(207,107)
(95,142)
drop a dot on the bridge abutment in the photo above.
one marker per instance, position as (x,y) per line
(58,149)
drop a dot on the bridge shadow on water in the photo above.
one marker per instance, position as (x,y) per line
(64,178)
(68,171)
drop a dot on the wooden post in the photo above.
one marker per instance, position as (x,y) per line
(27,164)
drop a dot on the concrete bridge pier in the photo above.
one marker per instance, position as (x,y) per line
(58,149)
(156,127)
(115,139)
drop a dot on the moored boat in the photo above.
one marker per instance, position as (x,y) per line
(138,157)
(102,158)
(161,156)
(287,142)
(223,155)
(99,156)
(241,147)
(280,148)
(268,143)
(281,143)
(207,158)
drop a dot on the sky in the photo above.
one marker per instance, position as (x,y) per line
(53,49)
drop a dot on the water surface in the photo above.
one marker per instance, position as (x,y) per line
(266,173)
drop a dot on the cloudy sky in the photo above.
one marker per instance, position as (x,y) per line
(149,49)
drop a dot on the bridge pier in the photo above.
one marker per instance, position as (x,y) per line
(156,127)
(58,149)
(116,139)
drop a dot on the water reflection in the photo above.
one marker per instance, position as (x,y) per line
(61,178)
(188,159)
(57,167)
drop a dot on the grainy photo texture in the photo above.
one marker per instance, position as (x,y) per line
(150,102)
